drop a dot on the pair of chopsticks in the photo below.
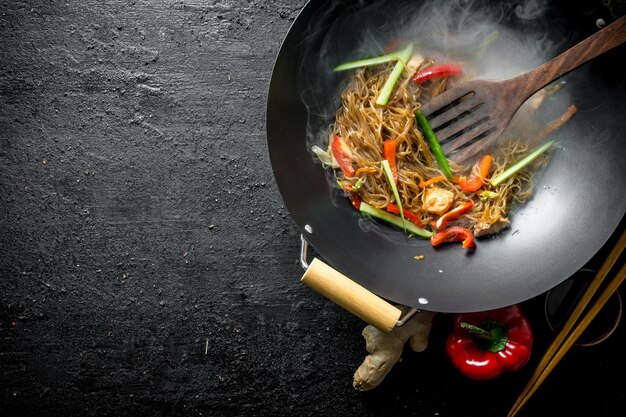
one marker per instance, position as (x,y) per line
(566,337)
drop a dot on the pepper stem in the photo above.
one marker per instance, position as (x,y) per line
(489,335)
(477,331)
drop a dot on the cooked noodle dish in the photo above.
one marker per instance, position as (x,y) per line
(389,163)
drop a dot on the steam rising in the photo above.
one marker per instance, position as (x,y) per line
(531,9)
(492,40)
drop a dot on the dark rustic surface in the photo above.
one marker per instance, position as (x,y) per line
(147,264)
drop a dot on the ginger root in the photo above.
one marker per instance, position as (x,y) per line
(386,348)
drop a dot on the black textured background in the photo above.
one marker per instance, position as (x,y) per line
(147,264)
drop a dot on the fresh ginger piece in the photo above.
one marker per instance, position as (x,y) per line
(419,340)
(386,349)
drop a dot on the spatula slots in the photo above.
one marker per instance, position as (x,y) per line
(471,115)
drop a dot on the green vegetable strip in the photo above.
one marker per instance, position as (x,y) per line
(556,87)
(368,62)
(489,39)
(519,165)
(385,93)
(392,184)
(442,161)
(393,219)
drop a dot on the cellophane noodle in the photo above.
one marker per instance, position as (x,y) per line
(364,126)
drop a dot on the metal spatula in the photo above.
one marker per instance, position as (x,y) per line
(471,115)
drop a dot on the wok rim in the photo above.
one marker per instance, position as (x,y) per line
(327,253)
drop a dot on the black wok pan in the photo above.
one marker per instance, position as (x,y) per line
(578,201)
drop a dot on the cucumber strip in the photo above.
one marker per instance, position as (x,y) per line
(395,220)
(368,62)
(519,165)
(392,184)
(385,93)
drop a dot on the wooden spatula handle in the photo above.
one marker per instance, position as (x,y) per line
(600,42)
(348,294)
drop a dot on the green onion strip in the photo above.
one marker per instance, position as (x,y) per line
(385,93)
(519,165)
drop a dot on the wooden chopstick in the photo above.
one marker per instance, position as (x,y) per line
(565,339)
(574,335)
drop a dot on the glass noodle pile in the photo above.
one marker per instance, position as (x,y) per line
(389,167)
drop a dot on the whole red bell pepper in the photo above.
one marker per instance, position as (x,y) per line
(485,344)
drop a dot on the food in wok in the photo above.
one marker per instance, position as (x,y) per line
(389,163)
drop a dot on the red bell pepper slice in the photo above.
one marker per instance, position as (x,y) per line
(454,214)
(474,182)
(392,208)
(394,45)
(441,70)
(432,181)
(354,199)
(485,344)
(342,155)
(454,234)
(389,151)
(352,195)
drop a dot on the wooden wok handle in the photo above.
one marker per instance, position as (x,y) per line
(351,296)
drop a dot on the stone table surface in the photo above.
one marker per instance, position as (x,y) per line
(147,263)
